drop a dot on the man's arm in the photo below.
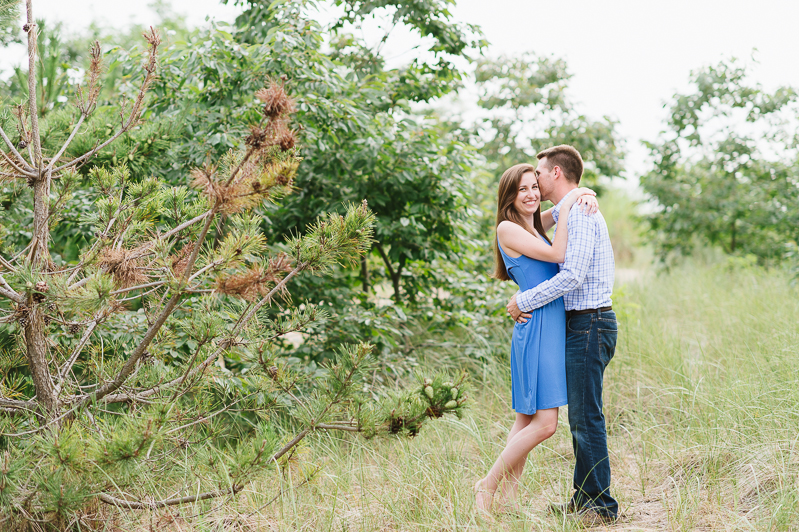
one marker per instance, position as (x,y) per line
(579,252)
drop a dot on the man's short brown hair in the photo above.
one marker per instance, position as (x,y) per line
(567,158)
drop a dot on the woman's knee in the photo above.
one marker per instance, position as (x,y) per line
(550,429)
(549,424)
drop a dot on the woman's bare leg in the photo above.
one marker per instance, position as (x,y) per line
(542,425)
(510,487)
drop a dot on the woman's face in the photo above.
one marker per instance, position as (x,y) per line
(528,198)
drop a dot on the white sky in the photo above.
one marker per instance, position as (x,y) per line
(628,57)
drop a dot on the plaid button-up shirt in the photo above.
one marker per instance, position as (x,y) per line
(585,279)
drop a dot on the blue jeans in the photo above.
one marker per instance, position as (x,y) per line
(590,344)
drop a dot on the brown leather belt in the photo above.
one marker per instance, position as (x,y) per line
(570,313)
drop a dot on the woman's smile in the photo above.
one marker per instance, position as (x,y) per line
(528,199)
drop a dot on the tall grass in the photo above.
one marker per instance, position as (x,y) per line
(703,399)
(702,408)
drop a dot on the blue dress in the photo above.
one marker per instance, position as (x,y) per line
(538,348)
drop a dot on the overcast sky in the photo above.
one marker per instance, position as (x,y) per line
(627,57)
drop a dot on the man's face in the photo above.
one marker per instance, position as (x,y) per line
(545,178)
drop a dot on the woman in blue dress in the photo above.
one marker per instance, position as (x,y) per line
(526,256)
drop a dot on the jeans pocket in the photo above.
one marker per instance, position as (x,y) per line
(578,325)
(607,344)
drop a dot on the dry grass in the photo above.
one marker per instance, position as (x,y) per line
(702,406)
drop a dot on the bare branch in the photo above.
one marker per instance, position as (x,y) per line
(15,167)
(16,404)
(238,168)
(132,288)
(135,111)
(80,283)
(120,398)
(28,170)
(136,505)
(62,373)
(204,269)
(18,255)
(268,297)
(7,265)
(124,398)
(347,428)
(33,109)
(206,417)
(130,364)
(7,291)
(184,225)
(66,144)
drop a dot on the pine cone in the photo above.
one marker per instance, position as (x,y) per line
(272,372)
(74,329)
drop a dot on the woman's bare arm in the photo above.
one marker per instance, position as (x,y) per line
(589,203)
(515,239)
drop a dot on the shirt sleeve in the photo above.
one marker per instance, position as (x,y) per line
(579,252)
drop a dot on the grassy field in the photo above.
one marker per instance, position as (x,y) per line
(702,406)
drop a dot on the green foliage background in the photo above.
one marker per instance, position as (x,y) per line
(723,173)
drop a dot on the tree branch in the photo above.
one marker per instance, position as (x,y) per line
(67,143)
(184,225)
(130,364)
(27,169)
(7,291)
(62,373)
(33,109)
(7,265)
(386,260)
(205,268)
(16,404)
(121,398)
(135,111)
(137,505)
(132,288)
(348,428)
(143,394)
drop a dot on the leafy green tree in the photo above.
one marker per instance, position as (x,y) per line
(83,420)
(9,21)
(528,109)
(725,169)
(51,72)
(359,134)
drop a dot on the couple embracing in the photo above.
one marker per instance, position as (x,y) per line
(565,330)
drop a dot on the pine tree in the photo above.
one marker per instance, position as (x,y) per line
(104,422)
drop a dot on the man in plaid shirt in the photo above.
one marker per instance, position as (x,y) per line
(585,282)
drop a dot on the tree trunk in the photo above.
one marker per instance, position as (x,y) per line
(39,255)
(393,274)
(732,242)
(395,279)
(36,347)
(364,274)
(32,107)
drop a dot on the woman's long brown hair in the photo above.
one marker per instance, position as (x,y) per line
(508,190)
